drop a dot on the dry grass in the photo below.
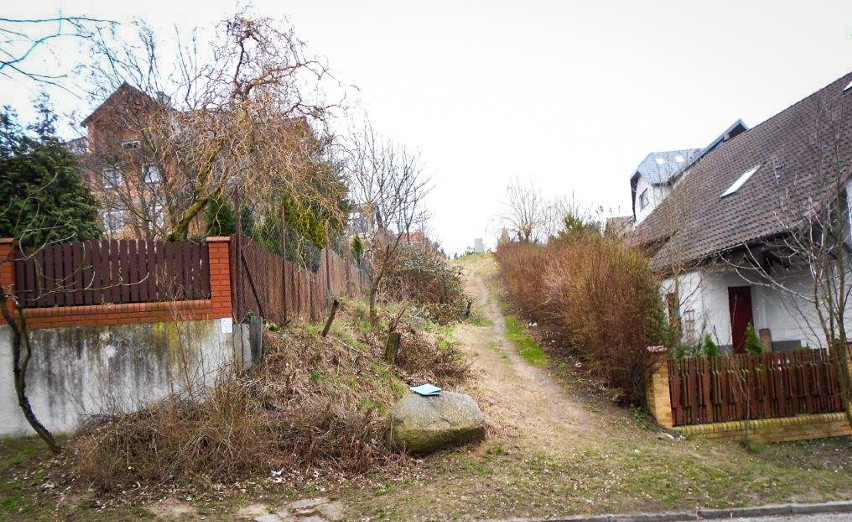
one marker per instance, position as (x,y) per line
(314,402)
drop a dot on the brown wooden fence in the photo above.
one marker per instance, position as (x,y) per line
(743,387)
(117,271)
(269,285)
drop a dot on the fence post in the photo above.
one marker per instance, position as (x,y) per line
(658,394)
(7,272)
(218,250)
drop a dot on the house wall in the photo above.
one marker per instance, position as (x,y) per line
(79,372)
(656,194)
(792,322)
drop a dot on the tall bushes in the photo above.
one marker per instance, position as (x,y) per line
(598,296)
(422,277)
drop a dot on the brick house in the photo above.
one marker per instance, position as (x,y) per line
(128,177)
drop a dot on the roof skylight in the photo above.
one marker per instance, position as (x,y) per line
(660,160)
(679,158)
(740,181)
(847,87)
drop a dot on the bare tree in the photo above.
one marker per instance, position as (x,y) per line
(387,186)
(25,42)
(527,211)
(240,113)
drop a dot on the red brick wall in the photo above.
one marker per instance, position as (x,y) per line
(218,306)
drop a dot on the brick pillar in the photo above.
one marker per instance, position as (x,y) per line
(220,276)
(659,398)
(7,271)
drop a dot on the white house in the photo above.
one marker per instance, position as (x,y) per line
(725,239)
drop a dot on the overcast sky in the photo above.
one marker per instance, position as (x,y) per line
(571,95)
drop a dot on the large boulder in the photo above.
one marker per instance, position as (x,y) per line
(425,424)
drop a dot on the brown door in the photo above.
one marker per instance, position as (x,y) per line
(739,303)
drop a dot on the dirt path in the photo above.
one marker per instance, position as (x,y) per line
(521,403)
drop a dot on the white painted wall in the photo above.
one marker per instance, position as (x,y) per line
(79,372)
(656,194)
(788,319)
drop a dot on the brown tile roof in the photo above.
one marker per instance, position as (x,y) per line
(795,152)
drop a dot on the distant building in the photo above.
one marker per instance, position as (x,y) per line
(478,245)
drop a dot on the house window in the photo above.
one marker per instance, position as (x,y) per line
(740,181)
(689,326)
(153,174)
(114,221)
(643,199)
(112,178)
(159,216)
(130,144)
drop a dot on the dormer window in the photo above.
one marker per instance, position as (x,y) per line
(130,144)
(643,199)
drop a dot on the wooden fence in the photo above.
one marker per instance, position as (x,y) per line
(743,387)
(269,285)
(112,272)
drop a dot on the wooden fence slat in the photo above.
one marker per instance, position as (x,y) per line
(205,271)
(21,266)
(124,269)
(68,275)
(132,272)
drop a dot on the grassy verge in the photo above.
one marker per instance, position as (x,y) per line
(528,349)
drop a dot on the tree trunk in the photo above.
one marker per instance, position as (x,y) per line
(181,230)
(21,352)
(374,316)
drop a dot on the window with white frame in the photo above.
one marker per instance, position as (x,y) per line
(153,174)
(114,220)
(112,178)
(130,144)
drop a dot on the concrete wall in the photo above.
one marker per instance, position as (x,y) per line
(78,372)
(792,322)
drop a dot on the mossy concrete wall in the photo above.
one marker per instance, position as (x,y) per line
(84,371)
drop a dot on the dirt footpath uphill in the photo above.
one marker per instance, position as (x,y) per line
(520,401)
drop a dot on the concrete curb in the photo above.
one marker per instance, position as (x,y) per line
(705,514)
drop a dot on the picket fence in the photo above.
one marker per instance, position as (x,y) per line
(748,387)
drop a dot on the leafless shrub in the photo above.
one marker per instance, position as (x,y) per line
(424,278)
(600,297)
(422,359)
